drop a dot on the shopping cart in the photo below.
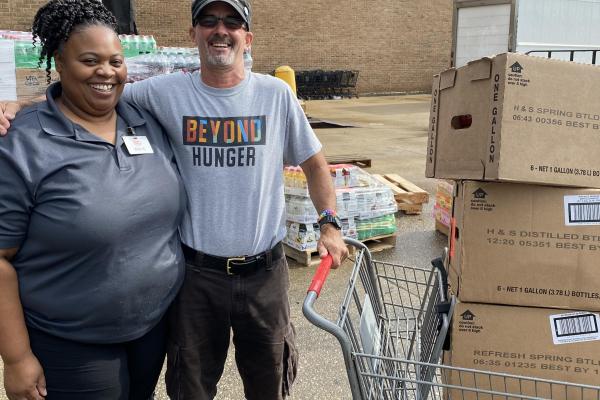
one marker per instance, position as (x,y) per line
(393,326)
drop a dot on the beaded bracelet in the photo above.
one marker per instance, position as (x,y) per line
(326,212)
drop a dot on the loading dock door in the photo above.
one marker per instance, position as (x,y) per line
(481,31)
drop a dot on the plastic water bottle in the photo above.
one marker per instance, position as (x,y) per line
(247,60)
(147,44)
(152,44)
(136,45)
(26,55)
(126,45)
(20,54)
(142,44)
(164,64)
(179,62)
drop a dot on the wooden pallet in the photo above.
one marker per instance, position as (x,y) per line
(354,159)
(311,257)
(380,243)
(305,257)
(410,197)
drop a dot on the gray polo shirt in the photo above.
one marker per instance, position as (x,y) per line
(99,255)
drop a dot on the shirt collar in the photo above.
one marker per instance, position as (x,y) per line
(54,122)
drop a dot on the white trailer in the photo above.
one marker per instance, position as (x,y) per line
(483,28)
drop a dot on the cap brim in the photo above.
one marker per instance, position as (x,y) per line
(236,6)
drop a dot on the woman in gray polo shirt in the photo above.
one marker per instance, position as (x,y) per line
(90,202)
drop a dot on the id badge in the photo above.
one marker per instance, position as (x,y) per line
(137,145)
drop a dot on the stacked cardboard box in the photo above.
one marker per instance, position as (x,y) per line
(33,82)
(519,134)
(365,206)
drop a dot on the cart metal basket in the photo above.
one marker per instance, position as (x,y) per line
(392,327)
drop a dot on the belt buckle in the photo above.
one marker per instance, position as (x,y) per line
(233,259)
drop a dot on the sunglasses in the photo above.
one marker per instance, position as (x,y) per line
(210,21)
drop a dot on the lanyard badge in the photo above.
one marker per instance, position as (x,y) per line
(137,144)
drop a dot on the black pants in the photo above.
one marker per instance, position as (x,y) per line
(209,308)
(121,371)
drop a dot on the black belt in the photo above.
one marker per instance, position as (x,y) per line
(233,265)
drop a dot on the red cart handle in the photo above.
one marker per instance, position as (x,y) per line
(321,275)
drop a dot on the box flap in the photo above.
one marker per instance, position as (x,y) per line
(480,69)
(447,78)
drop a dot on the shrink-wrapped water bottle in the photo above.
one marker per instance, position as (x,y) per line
(126,45)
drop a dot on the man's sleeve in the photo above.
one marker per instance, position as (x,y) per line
(139,93)
(301,143)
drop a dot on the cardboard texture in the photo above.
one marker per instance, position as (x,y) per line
(432,134)
(520,341)
(31,82)
(527,245)
(516,118)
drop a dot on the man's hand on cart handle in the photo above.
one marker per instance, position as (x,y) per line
(331,242)
(320,275)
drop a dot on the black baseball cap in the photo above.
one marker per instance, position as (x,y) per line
(241,6)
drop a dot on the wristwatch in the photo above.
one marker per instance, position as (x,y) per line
(331,219)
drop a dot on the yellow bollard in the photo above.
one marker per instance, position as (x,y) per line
(286,73)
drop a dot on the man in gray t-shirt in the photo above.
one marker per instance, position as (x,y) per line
(232,132)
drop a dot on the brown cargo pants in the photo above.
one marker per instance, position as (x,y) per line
(210,306)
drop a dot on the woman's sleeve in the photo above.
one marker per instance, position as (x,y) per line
(16,200)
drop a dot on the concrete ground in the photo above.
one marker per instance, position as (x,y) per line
(392,132)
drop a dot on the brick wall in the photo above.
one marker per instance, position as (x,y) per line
(18,14)
(397,45)
(168,21)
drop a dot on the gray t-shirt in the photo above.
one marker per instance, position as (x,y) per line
(230,146)
(100,258)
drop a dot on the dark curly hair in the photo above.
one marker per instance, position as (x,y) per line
(55,21)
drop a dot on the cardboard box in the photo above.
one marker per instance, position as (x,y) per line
(534,342)
(526,245)
(31,82)
(441,228)
(516,118)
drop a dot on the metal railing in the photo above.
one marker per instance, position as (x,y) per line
(571,53)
